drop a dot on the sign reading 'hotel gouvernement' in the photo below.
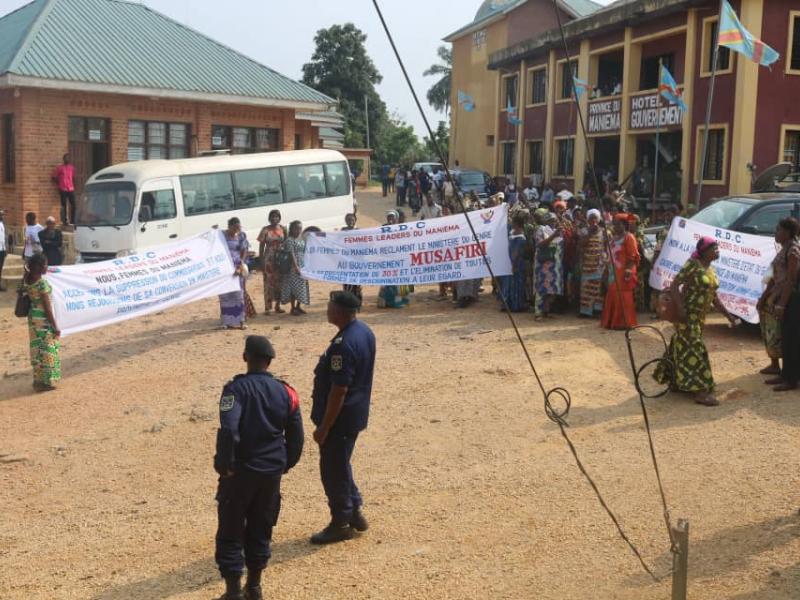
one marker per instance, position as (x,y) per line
(647,111)
(605,116)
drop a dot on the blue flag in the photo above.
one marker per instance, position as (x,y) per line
(669,89)
(580,87)
(513,118)
(466,101)
(733,35)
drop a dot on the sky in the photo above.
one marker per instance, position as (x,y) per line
(281,35)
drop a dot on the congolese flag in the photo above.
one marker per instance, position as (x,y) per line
(669,89)
(733,35)
(581,86)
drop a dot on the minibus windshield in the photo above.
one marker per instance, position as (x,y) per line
(108,204)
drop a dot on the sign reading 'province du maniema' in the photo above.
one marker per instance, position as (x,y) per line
(92,295)
(421,252)
(605,116)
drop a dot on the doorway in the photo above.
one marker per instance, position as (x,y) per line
(605,158)
(89,147)
(668,184)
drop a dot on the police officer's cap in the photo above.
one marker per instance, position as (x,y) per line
(257,346)
(346,300)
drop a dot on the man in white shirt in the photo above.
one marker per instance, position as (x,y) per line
(530,193)
(564,194)
(2,249)
(430,210)
(32,229)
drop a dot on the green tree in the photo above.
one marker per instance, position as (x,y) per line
(399,144)
(341,68)
(439,93)
(442,136)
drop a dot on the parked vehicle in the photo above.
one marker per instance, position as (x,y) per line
(135,205)
(757,214)
(428,167)
(470,180)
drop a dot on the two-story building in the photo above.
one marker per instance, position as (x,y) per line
(109,81)
(617,50)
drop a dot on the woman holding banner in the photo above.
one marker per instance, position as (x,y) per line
(42,328)
(696,284)
(295,289)
(231,305)
(780,309)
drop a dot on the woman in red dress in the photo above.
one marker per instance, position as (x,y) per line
(619,310)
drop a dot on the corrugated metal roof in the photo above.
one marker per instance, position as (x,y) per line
(120,43)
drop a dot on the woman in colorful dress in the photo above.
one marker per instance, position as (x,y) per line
(697,284)
(295,289)
(619,309)
(593,265)
(390,296)
(42,329)
(232,304)
(350,225)
(270,241)
(547,270)
(781,309)
(512,287)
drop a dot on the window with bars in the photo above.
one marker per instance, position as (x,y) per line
(791,148)
(794,44)
(566,78)
(509,157)
(9,156)
(244,140)
(565,151)
(535,152)
(153,139)
(510,92)
(724,59)
(715,154)
(538,86)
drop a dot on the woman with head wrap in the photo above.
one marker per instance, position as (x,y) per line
(569,246)
(619,310)
(512,287)
(593,264)
(390,296)
(697,285)
(547,269)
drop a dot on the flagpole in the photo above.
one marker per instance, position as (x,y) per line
(699,189)
(658,142)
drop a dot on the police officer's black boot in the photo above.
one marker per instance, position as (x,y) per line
(334,532)
(358,521)
(252,589)
(233,588)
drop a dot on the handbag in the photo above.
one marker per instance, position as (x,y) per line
(670,307)
(284,262)
(23,306)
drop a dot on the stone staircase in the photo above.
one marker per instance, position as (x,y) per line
(12,272)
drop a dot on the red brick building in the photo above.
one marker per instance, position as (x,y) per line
(111,81)
(617,49)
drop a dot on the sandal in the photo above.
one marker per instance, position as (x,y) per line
(775,381)
(300,311)
(706,400)
(770,370)
(279,311)
(784,387)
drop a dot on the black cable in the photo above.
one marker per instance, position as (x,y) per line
(557,416)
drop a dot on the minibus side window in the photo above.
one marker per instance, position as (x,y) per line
(337,178)
(158,205)
(260,187)
(208,193)
(304,182)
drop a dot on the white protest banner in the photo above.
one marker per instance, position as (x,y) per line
(92,295)
(744,261)
(419,252)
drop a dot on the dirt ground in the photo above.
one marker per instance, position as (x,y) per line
(107,487)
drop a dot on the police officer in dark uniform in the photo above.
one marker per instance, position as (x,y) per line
(260,438)
(342,389)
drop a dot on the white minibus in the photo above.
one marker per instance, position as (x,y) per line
(136,205)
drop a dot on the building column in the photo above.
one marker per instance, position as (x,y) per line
(287,130)
(743,132)
(630,82)
(548,128)
(690,65)
(496,113)
(579,155)
(519,168)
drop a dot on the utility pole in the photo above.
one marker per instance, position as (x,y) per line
(366,116)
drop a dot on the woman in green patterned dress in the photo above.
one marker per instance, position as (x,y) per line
(42,328)
(687,352)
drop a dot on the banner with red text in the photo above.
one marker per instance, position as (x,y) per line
(416,253)
(744,261)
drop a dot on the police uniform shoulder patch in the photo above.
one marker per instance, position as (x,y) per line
(336,362)
(226,402)
(338,340)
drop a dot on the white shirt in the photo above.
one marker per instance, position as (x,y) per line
(531,194)
(2,237)
(565,195)
(430,212)
(32,245)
